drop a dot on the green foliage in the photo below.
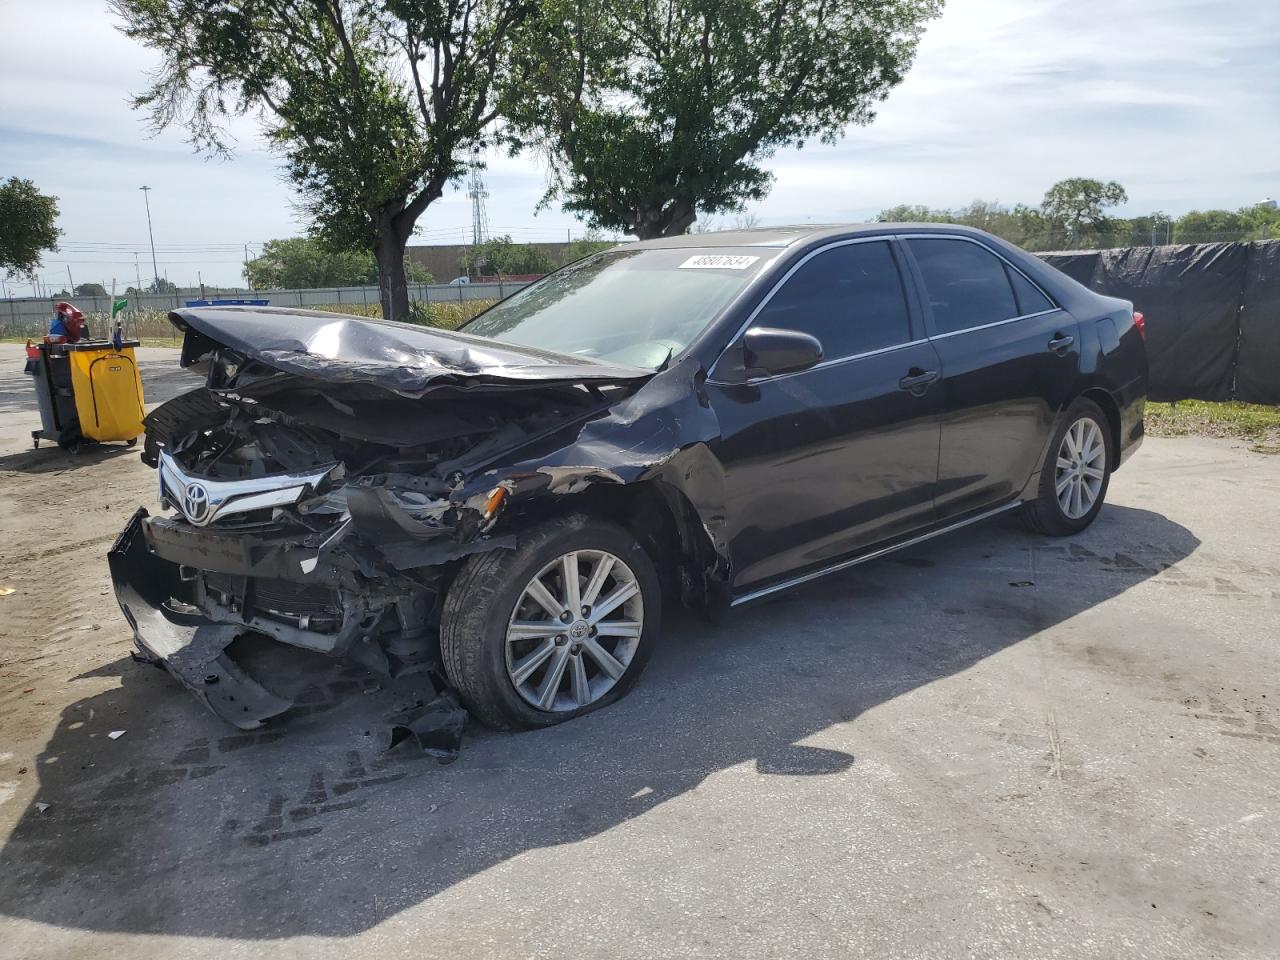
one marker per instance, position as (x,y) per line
(161,285)
(592,242)
(373,104)
(302,262)
(1078,204)
(28,226)
(91,290)
(1231,418)
(502,256)
(1211,226)
(653,111)
(1025,226)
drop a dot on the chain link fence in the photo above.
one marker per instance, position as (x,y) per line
(30,316)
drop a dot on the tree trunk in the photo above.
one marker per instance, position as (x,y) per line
(393,289)
(667,221)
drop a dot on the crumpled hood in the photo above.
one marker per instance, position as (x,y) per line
(401,357)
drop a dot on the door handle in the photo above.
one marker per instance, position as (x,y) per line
(1060,342)
(917,380)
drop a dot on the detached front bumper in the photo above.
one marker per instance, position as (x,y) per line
(171,631)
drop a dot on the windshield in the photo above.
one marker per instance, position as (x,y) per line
(636,307)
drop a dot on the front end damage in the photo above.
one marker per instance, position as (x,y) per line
(324,502)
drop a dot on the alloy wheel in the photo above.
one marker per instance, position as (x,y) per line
(1082,465)
(574,630)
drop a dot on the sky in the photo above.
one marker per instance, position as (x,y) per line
(1177,100)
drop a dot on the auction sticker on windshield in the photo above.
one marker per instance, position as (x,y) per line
(717,261)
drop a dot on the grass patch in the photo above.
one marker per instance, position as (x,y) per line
(1204,418)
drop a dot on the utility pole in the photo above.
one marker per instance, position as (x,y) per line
(137,272)
(146,196)
(248,274)
(70,281)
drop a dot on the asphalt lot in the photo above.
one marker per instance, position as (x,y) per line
(993,745)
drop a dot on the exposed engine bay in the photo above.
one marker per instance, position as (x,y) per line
(322,506)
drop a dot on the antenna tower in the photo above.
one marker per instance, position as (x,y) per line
(477,192)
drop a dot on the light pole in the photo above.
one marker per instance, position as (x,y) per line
(155,270)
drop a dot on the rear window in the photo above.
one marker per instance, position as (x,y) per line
(966,284)
(1030,299)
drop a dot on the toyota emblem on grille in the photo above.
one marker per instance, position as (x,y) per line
(195,503)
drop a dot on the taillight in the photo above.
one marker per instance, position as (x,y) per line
(1140,322)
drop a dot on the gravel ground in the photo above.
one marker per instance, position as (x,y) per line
(993,745)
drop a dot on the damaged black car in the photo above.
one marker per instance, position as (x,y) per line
(700,420)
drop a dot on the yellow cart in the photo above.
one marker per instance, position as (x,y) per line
(87,392)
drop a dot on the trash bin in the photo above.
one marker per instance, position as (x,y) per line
(86,391)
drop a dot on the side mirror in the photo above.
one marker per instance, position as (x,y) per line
(770,350)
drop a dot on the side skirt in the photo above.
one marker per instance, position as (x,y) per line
(863,558)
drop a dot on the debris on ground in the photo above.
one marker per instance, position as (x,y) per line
(41,807)
(436,726)
(115,734)
(5,591)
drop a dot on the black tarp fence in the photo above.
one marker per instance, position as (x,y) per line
(1212,311)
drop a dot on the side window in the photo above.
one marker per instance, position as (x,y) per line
(1030,299)
(966,284)
(849,297)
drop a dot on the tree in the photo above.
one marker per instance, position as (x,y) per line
(1209,226)
(91,290)
(913,213)
(1078,204)
(1020,224)
(302,262)
(161,285)
(373,104)
(503,256)
(653,111)
(592,242)
(28,226)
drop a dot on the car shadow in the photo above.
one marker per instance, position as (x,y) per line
(311,828)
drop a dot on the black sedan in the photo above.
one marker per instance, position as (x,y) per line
(703,420)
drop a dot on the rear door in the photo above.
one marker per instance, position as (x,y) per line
(821,462)
(1009,363)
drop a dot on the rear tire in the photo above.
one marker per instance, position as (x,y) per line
(1075,474)
(501,646)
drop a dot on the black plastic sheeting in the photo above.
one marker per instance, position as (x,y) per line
(1258,370)
(1080,267)
(407,359)
(1212,312)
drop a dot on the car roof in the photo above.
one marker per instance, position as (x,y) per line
(786,236)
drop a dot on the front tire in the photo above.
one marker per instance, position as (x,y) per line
(1075,474)
(562,625)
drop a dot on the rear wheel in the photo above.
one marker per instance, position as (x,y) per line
(1076,473)
(560,626)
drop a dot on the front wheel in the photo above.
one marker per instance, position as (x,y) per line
(1076,472)
(561,625)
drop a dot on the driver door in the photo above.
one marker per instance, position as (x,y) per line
(824,462)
